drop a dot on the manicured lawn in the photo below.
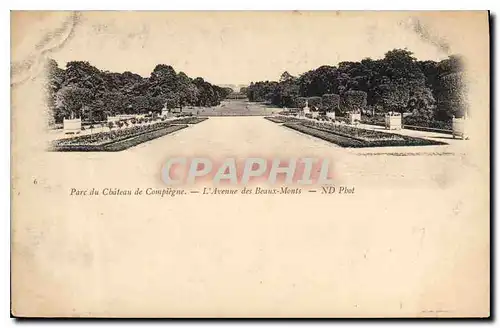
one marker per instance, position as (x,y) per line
(349,136)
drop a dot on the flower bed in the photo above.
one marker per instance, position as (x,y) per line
(327,136)
(115,140)
(348,136)
(353,132)
(373,120)
(422,128)
(411,123)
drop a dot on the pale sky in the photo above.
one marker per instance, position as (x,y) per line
(240,47)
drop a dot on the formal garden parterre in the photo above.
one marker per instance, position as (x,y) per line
(122,138)
(349,136)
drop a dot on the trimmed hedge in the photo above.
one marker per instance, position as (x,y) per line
(421,122)
(300,102)
(282,119)
(451,97)
(330,102)
(314,102)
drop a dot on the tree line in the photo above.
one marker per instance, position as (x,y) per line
(398,82)
(82,90)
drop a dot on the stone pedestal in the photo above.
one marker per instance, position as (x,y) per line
(353,117)
(459,128)
(393,121)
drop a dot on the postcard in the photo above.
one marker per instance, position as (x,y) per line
(250,164)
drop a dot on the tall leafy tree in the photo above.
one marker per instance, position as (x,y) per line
(82,90)
(398,82)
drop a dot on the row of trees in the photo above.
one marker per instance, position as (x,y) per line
(398,82)
(82,90)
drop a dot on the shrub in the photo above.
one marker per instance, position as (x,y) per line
(314,102)
(353,101)
(172,103)
(349,136)
(330,102)
(422,122)
(373,120)
(421,103)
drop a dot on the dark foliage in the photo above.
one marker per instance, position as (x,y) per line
(330,102)
(430,91)
(353,101)
(82,90)
(351,137)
